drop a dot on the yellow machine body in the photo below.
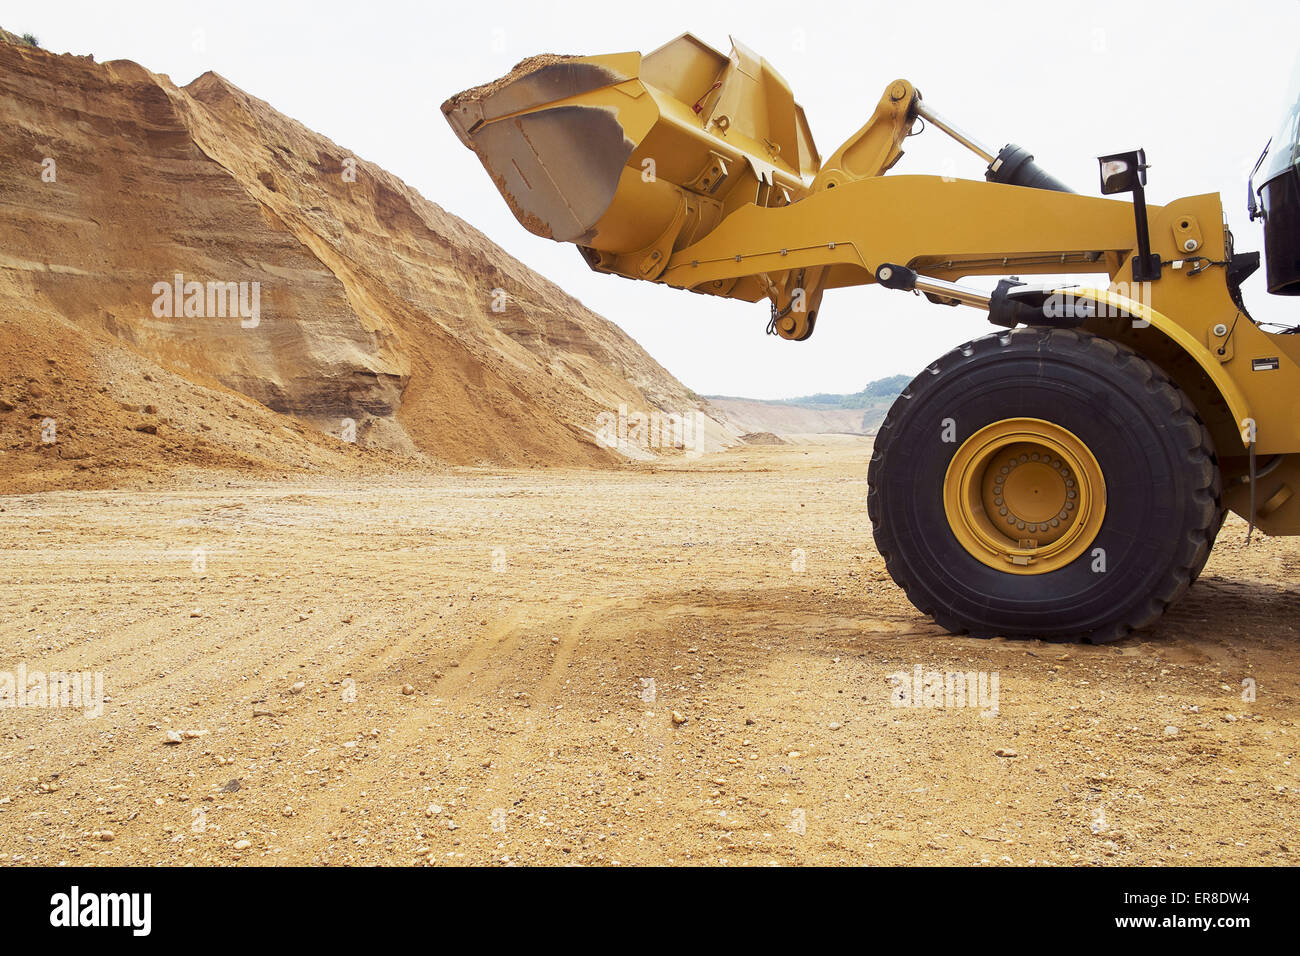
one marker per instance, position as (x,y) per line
(698,170)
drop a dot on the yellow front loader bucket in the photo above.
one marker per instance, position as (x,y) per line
(632,157)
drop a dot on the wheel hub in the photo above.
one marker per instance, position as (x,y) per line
(1024,495)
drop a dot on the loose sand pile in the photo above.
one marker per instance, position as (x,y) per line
(521,69)
(387,332)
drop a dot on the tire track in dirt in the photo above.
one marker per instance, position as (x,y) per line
(458,686)
(188,654)
(534,731)
(496,662)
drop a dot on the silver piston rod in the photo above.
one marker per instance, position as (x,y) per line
(1012,165)
(976,147)
(886,276)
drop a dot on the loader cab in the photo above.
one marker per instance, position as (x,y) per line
(1278,182)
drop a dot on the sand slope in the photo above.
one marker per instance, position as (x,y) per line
(376,306)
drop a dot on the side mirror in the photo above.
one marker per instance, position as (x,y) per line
(1252,207)
(1123,172)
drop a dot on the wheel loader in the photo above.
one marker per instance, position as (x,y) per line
(1062,477)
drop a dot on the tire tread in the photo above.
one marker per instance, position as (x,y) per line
(1194,546)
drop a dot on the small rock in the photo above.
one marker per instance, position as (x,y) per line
(408,690)
(678,718)
(1005,752)
(1171,731)
(834,725)
(173,737)
(298,688)
(104,836)
(242,844)
(197,612)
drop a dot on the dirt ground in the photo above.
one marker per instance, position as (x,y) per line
(549,627)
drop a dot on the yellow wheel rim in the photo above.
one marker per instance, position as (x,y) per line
(1024,496)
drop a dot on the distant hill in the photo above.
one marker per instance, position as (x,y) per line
(882,388)
(826,412)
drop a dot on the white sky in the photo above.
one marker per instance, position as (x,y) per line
(1199,84)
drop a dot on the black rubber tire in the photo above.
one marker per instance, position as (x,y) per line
(1162,486)
(1212,534)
